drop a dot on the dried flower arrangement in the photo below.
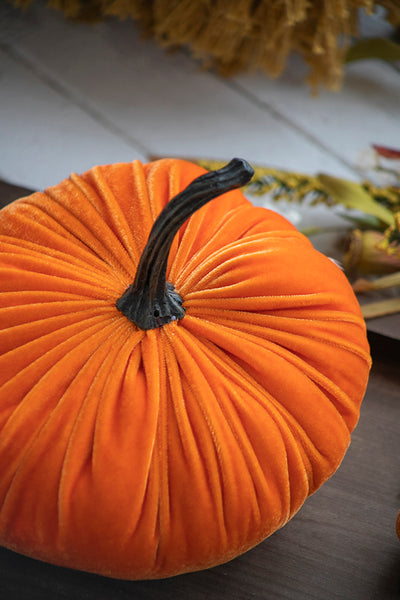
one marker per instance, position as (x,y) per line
(249,35)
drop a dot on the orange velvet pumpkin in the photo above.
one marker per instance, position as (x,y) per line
(147,452)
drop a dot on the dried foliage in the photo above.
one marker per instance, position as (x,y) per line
(245,35)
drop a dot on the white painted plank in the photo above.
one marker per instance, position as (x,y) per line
(44,136)
(160,101)
(364,112)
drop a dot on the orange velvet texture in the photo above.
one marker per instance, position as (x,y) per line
(143,454)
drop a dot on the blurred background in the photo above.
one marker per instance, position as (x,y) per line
(73,95)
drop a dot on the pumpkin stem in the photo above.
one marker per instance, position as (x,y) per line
(151,301)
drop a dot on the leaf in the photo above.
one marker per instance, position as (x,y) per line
(366,285)
(364,221)
(380,48)
(386,152)
(380,308)
(353,196)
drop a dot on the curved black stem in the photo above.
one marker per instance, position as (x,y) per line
(151,301)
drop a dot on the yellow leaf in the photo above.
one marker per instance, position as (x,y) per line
(353,196)
(381,308)
(366,285)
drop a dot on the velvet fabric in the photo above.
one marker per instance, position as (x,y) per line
(144,454)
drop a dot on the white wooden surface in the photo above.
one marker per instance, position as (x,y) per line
(72,96)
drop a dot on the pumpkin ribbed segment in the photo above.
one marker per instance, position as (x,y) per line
(142,454)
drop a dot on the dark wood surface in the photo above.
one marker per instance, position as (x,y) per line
(342,544)
(10,192)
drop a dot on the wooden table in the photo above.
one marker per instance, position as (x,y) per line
(341,545)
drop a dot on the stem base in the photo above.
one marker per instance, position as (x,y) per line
(134,304)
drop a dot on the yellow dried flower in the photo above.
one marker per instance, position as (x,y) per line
(367,254)
(390,243)
(245,35)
